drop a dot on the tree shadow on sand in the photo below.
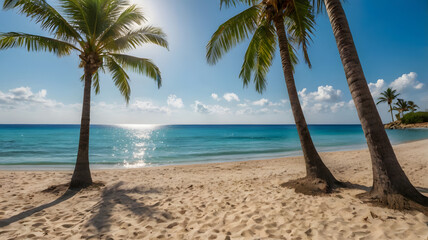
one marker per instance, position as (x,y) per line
(115,195)
(69,193)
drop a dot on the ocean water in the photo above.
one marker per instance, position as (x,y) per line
(129,146)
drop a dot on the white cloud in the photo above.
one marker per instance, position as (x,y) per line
(265,102)
(261,111)
(199,107)
(337,106)
(406,81)
(325,99)
(175,102)
(324,94)
(231,97)
(261,102)
(277,104)
(242,105)
(24,97)
(148,106)
(245,111)
(377,88)
(215,97)
(402,84)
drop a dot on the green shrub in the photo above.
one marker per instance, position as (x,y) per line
(415,117)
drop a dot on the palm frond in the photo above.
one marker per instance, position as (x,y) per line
(47,16)
(35,43)
(122,23)
(318,5)
(381,100)
(229,3)
(74,10)
(300,22)
(259,56)
(96,82)
(140,65)
(120,78)
(232,32)
(133,39)
(99,15)
(293,56)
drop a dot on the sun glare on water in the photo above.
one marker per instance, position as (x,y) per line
(139,126)
(140,145)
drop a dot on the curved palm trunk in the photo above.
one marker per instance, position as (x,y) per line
(82,174)
(390,109)
(315,168)
(390,183)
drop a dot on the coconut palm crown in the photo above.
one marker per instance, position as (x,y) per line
(287,24)
(99,31)
(258,20)
(412,106)
(388,96)
(401,106)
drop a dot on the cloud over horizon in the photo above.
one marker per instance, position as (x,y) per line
(231,97)
(406,83)
(24,97)
(23,105)
(174,101)
(325,99)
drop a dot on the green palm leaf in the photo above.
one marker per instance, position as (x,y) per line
(35,43)
(381,100)
(259,56)
(133,39)
(47,16)
(74,11)
(140,65)
(234,3)
(96,80)
(300,21)
(121,23)
(232,32)
(120,78)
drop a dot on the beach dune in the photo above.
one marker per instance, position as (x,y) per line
(238,200)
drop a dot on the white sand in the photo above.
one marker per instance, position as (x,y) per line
(240,200)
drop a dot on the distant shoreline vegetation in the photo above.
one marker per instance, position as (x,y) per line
(410,120)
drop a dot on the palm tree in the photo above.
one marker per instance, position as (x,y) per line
(287,24)
(99,31)
(388,96)
(412,106)
(401,106)
(390,184)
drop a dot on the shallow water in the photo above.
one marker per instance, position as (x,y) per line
(118,146)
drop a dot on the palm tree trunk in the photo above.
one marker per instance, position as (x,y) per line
(390,183)
(82,174)
(390,109)
(315,168)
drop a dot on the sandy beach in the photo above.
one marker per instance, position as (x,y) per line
(239,200)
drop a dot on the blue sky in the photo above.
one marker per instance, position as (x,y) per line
(391,39)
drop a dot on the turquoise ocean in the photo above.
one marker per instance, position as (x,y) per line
(128,146)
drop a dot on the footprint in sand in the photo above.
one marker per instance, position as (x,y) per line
(172,225)
(67,225)
(37,224)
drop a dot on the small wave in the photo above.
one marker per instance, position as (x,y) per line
(136,164)
(22,152)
